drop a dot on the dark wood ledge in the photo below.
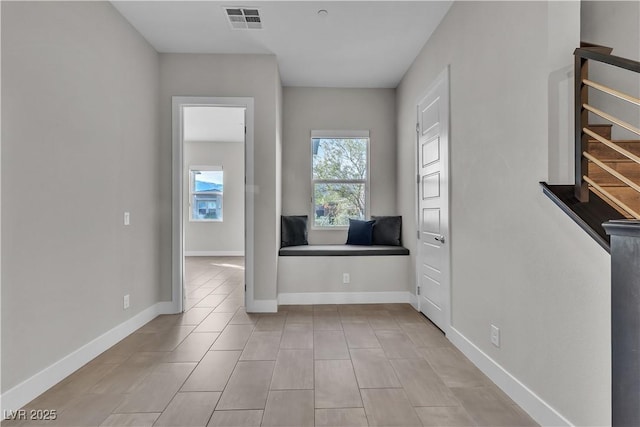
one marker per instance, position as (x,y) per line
(588,215)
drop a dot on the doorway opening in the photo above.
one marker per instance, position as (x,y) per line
(212,209)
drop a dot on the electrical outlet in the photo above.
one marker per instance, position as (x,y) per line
(125,302)
(346,278)
(127,218)
(495,336)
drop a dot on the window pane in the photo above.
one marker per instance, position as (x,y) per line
(207,181)
(336,203)
(206,195)
(206,206)
(339,158)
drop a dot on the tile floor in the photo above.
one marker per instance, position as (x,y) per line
(324,365)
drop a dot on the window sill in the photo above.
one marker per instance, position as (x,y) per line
(341,228)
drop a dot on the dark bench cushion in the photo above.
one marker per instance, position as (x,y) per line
(387,230)
(343,250)
(293,230)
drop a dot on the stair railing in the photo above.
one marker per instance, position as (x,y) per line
(583,134)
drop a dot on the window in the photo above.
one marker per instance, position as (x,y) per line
(205,193)
(340,177)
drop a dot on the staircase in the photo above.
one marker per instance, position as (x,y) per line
(607,171)
(603,166)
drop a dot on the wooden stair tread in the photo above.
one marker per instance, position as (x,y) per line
(628,191)
(626,195)
(624,166)
(610,203)
(612,181)
(628,169)
(600,150)
(601,129)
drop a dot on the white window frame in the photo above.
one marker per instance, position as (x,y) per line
(338,134)
(193,169)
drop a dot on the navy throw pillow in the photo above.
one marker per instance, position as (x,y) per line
(293,230)
(387,230)
(360,232)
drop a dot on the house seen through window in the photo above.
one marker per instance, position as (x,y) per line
(340,177)
(205,195)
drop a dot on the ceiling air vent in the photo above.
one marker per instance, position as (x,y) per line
(241,18)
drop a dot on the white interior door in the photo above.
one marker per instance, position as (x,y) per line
(433,263)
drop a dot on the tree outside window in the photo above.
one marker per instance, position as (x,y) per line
(340,180)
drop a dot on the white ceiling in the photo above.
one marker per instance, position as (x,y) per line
(358,44)
(213,124)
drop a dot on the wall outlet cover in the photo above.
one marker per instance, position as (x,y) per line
(495,336)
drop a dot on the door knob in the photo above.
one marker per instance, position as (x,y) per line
(440,238)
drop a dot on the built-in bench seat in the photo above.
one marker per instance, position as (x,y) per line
(375,272)
(342,250)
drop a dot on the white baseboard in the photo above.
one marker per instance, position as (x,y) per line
(306,298)
(537,408)
(213,253)
(413,300)
(262,306)
(166,307)
(26,391)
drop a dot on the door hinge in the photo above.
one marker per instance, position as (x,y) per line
(418,179)
(245,287)
(418,290)
(418,234)
(417,127)
(245,130)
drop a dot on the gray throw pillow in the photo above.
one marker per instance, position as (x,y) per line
(387,230)
(293,231)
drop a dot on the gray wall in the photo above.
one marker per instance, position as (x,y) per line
(220,76)
(307,109)
(517,260)
(615,24)
(228,235)
(79,147)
